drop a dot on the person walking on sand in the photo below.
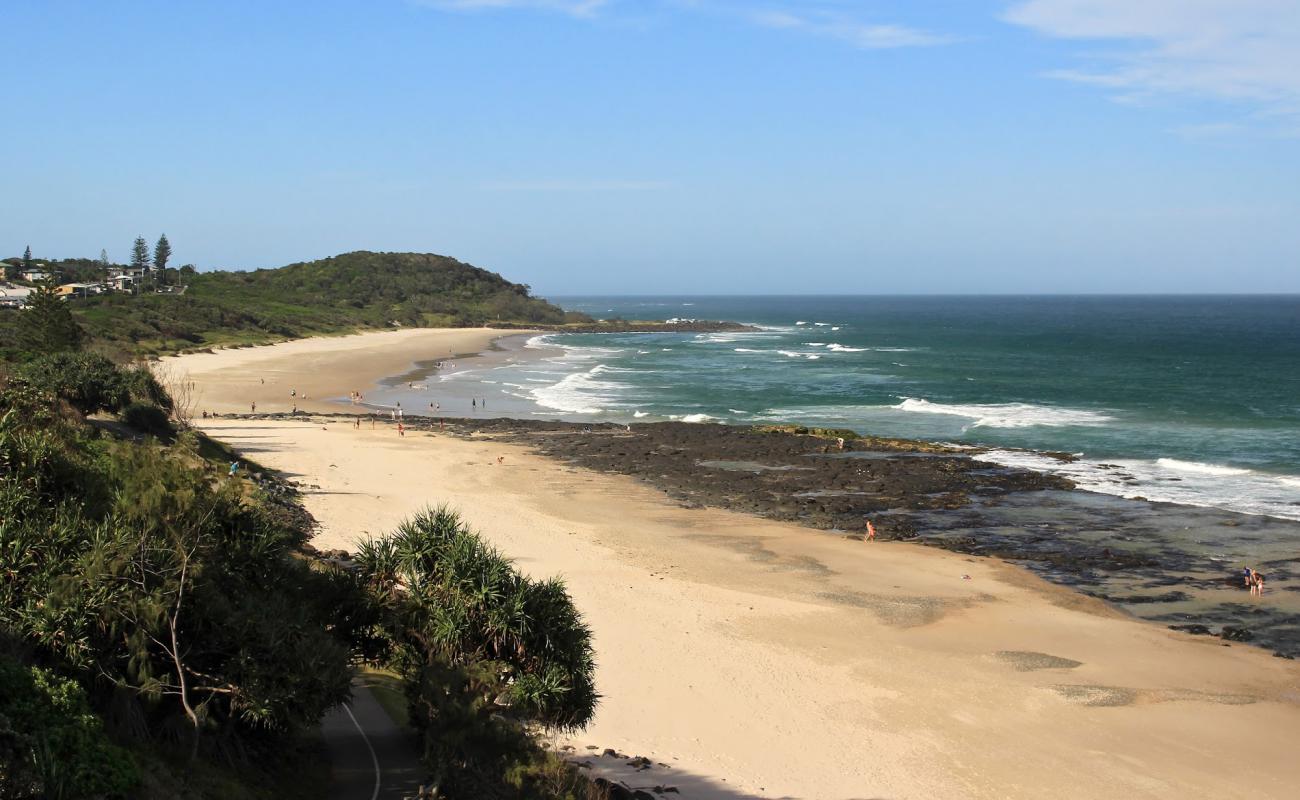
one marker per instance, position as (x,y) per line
(401,429)
(253,406)
(871,532)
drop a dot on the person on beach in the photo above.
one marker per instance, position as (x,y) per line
(1256,583)
(401,429)
(473,403)
(253,406)
(1248,577)
(234,467)
(871,532)
(293,392)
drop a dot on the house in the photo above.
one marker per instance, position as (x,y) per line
(13,296)
(36,275)
(124,282)
(70,290)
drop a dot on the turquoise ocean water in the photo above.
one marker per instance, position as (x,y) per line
(1193,400)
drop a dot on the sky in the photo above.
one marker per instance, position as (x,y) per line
(670,146)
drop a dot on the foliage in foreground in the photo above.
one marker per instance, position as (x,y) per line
(164,615)
(51,744)
(169,595)
(484,651)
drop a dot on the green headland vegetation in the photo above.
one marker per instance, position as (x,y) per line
(342,294)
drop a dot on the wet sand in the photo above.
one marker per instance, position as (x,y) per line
(760,658)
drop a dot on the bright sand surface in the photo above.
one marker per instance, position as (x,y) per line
(762,659)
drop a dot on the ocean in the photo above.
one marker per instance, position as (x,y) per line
(1186,399)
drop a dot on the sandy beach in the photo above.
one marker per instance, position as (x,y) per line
(755,658)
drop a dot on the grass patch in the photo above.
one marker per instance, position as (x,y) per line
(389,690)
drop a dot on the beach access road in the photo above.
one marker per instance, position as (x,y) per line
(371,757)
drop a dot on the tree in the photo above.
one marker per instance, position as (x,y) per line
(140,254)
(27,258)
(47,326)
(140,257)
(161,252)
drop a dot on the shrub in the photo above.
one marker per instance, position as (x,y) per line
(148,418)
(89,382)
(483,650)
(51,745)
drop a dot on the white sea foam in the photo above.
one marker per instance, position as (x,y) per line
(640,414)
(821,324)
(835,327)
(839,348)
(1170,480)
(691,417)
(750,350)
(815,344)
(579,393)
(795,354)
(725,337)
(801,322)
(1198,467)
(1008,415)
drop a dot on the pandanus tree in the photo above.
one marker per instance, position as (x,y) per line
(481,647)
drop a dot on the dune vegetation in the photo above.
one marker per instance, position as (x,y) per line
(167,631)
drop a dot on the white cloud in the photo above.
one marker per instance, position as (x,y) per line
(870,36)
(1235,50)
(815,17)
(576,8)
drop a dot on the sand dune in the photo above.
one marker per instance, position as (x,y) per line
(761,659)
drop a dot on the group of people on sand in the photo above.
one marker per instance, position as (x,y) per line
(1254,580)
(356,397)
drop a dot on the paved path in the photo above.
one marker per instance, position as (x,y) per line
(372,758)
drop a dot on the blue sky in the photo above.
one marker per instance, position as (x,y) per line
(671,146)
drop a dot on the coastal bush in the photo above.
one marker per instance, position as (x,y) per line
(482,649)
(345,292)
(149,419)
(135,567)
(51,744)
(90,382)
